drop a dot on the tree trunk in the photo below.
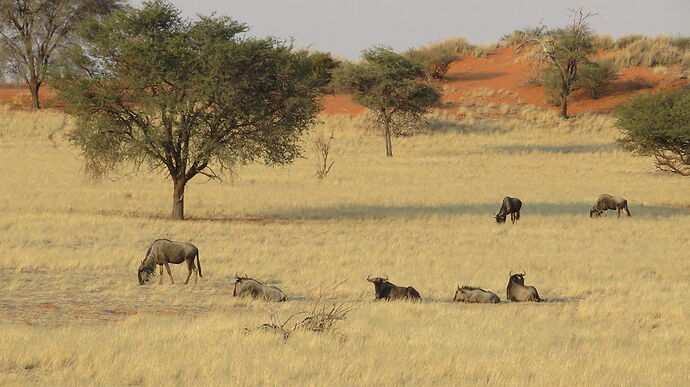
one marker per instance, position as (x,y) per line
(389,143)
(564,107)
(178,198)
(33,87)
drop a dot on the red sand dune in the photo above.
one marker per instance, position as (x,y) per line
(497,78)
(500,71)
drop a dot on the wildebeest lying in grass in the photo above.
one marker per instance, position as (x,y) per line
(475,295)
(518,292)
(607,202)
(163,252)
(510,206)
(245,286)
(388,291)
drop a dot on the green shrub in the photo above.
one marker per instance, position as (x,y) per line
(436,60)
(552,84)
(658,125)
(594,76)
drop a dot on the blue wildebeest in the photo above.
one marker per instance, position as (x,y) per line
(510,206)
(163,252)
(518,292)
(475,295)
(245,286)
(388,291)
(607,202)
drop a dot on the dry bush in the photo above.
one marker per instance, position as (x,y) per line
(638,50)
(601,42)
(321,318)
(322,143)
(520,37)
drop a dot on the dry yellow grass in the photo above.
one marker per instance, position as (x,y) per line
(71,311)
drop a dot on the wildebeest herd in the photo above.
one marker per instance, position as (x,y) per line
(163,252)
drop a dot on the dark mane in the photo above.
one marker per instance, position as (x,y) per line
(465,287)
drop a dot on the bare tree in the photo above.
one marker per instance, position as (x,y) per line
(322,147)
(31,31)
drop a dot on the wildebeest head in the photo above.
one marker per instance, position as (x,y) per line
(377,280)
(595,212)
(238,280)
(518,278)
(500,218)
(459,294)
(144,273)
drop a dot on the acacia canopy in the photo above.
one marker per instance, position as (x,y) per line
(187,97)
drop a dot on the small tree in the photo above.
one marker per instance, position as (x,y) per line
(563,50)
(658,125)
(388,84)
(436,59)
(31,31)
(185,97)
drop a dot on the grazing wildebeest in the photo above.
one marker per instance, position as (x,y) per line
(607,202)
(245,286)
(163,252)
(475,295)
(510,206)
(518,292)
(388,291)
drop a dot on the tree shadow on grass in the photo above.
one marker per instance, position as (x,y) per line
(580,209)
(579,148)
(466,76)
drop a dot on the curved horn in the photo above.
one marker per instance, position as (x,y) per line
(523,272)
(511,273)
(237,276)
(386,277)
(369,277)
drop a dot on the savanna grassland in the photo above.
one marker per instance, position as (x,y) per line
(617,310)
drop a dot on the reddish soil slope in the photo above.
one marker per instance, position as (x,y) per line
(498,78)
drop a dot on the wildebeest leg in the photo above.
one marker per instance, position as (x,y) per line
(167,268)
(160,280)
(190,267)
(618,211)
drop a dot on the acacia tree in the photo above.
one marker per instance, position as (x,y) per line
(658,125)
(388,84)
(563,51)
(31,31)
(186,97)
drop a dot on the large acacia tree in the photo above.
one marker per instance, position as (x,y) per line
(186,97)
(391,86)
(31,32)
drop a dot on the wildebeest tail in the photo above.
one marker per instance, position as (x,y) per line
(198,263)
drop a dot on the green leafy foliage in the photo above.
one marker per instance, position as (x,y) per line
(594,76)
(187,97)
(435,60)
(388,84)
(658,125)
